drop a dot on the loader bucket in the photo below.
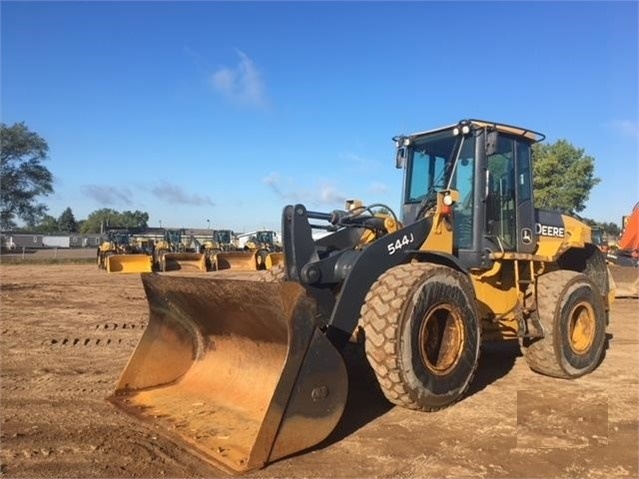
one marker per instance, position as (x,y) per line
(129,263)
(237,260)
(274,259)
(183,261)
(626,281)
(235,371)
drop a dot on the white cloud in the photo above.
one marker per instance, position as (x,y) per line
(359,164)
(324,193)
(330,195)
(174,194)
(378,188)
(626,127)
(273,181)
(242,84)
(109,195)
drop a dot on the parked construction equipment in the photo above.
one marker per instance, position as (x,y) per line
(627,251)
(223,241)
(119,253)
(172,254)
(255,251)
(245,372)
(625,258)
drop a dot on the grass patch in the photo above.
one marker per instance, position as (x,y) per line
(31,261)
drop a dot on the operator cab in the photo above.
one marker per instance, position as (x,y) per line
(489,165)
(265,237)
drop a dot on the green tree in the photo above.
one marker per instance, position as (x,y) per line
(67,222)
(611,229)
(47,225)
(109,218)
(24,178)
(98,219)
(563,176)
(134,219)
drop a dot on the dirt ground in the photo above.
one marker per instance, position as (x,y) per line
(67,332)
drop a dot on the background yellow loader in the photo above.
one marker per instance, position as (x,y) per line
(245,372)
(257,250)
(171,254)
(223,242)
(119,253)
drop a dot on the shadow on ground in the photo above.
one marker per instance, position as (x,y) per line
(366,402)
(495,361)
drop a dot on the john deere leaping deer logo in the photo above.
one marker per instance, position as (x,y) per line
(526,236)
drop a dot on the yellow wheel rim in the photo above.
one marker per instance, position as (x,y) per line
(581,327)
(441,338)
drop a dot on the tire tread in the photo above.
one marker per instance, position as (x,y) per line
(382,306)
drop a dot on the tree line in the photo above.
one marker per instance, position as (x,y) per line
(96,222)
(563,176)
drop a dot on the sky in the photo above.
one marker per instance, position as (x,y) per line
(218,114)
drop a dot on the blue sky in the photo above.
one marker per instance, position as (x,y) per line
(229,111)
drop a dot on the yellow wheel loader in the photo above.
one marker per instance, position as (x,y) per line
(119,253)
(257,251)
(171,254)
(244,372)
(223,242)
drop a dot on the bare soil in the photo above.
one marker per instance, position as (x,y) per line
(67,332)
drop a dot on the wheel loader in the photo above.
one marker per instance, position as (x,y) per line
(223,242)
(243,373)
(171,254)
(119,253)
(257,250)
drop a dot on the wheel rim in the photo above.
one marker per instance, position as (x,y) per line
(441,338)
(582,327)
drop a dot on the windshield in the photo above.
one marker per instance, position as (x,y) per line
(173,236)
(264,237)
(429,165)
(120,238)
(597,236)
(223,236)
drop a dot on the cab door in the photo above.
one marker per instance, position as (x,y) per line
(509,217)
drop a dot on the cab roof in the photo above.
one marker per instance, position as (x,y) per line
(531,135)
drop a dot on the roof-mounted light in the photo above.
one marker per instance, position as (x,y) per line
(463,129)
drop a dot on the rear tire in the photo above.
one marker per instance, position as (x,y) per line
(422,335)
(572,313)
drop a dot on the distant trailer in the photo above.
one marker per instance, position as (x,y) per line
(56,241)
(21,241)
(75,241)
(90,241)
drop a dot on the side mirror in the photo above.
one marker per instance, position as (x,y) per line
(492,140)
(400,158)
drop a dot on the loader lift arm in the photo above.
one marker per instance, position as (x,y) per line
(320,266)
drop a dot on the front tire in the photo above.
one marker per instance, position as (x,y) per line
(260,258)
(571,311)
(422,335)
